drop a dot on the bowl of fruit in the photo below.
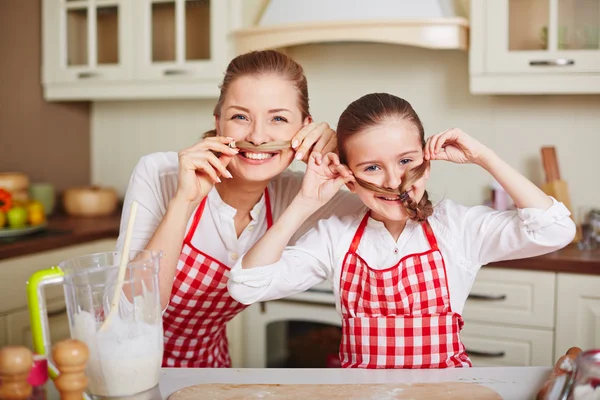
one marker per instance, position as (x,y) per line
(18,217)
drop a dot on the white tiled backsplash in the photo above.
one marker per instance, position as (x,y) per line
(434,81)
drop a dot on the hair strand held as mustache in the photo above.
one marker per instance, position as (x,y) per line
(416,211)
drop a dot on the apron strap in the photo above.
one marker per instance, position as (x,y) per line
(197,216)
(359,232)
(268,205)
(429,234)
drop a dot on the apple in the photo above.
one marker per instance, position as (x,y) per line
(17,217)
(2,219)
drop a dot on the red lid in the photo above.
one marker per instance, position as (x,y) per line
(39,372)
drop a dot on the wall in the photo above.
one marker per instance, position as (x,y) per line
(48,141)
(435,82)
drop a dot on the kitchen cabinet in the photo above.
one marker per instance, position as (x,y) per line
(19,325)
(86,41)
(15,272)
(509,318)
(578,312)
(504,345)
(148,49)
(534,46)
(15,327)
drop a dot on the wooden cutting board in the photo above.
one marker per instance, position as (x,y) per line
(400,391)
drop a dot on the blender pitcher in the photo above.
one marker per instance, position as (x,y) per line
(125,353)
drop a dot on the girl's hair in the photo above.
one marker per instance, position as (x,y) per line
(371,110)
(264,62)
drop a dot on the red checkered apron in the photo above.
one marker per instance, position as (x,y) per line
(399,317)
(200,306)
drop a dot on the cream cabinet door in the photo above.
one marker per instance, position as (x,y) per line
(578,312)
(86,41)
(19,325)
(512,296)
(180,40)
(502,345)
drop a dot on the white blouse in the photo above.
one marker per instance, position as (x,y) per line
(468,237)
(153,184)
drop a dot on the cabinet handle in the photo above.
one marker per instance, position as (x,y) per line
(486,354)
(489,297)
(57,312)
(174,72)
(559,62)
(87,75)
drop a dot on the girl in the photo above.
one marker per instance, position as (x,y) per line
(203,209)
(400,269)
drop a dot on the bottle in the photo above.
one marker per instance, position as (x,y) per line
(38,376)
(501,201)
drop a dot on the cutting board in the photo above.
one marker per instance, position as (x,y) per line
(400,391)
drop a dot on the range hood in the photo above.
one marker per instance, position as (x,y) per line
(434,24)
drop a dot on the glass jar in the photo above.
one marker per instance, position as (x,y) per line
(586,385)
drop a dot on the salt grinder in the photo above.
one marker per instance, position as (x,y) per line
(15,364)
(70,357)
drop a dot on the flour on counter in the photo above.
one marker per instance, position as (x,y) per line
(125,359)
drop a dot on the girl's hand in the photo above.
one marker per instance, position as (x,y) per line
(324,177)
(314,137)
(456,146)
(200,168)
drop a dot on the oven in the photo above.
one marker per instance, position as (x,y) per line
(300,331)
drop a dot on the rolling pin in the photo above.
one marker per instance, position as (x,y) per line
(554,185)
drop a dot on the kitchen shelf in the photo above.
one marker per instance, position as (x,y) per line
(437,33)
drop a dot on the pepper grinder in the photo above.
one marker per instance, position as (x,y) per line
(70,357)
(15,364)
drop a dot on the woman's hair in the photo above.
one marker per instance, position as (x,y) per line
(371,110)
(266,62)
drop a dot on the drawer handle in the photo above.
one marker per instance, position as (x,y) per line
(88,75)
(488,297)
(486,354)
(175,72)
(559,62)
(57,312)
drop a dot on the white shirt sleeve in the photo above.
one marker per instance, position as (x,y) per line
(488,235)
(152,184)
(311,261)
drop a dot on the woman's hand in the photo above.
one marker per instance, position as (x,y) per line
(314,137)
(323,178)
(200,168)
(456,146)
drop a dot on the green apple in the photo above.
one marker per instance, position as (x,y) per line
(17,217)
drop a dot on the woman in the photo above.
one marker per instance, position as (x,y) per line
(210,203)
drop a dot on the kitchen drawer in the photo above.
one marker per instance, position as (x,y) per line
(512,296)
(500,345)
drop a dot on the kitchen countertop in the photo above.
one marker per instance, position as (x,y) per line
(64,231)
(512,383)
(570,259)
(61,231)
